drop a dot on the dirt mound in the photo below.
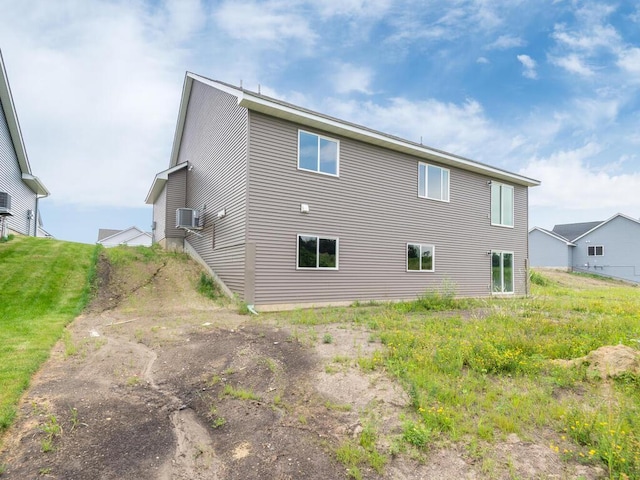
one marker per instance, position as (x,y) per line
(613,361)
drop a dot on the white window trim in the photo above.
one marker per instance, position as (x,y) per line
(595,250)
(318,237)
(337,174)
(426,182)
(513,260)
(513,206)
(433,257)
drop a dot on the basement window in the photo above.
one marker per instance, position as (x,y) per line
(316,252)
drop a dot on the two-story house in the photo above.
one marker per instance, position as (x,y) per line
(287,206)
(20,190)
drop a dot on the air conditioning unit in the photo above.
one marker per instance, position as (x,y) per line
(188,218)
(5,203)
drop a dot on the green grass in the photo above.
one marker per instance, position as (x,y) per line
(44,283)
(208,287)
(483,369)
(240,393)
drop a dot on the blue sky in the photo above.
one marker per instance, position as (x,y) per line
(547,89)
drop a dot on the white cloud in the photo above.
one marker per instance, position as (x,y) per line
(271,24)
(95,91)
(352,8)
(504,42)
(462,129)
(573,64)
(594,114)
(570,182)
(588,39)
(482,60)
(629,60)
(529,65)
(349,78)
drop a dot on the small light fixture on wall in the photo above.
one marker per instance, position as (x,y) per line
(222,213)
(489,182)
(304,208)
(190,168)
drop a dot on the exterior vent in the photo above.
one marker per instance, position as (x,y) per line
(5,203)
(188,218)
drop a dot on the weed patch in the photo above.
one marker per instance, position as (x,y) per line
(208,287)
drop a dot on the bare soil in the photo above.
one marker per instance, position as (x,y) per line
(154,381)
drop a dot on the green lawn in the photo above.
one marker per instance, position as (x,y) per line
(44,284)
(484,369)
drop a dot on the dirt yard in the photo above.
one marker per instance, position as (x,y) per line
(155,381)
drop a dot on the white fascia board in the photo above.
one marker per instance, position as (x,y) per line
(553,235)
(605,222)
(141,235)
(127,234)
(35,185)
(182,115)
(12,119)
(159,182)
(264,105)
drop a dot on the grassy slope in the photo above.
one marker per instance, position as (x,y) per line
(44,284)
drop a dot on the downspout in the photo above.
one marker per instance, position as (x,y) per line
(35,217)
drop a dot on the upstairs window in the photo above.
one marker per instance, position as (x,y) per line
(501,204)
(595,250)
(317,154)
(433,182)
(317,252)
(420,257)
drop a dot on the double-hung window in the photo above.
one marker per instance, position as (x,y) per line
(595,250)
(317,252)
(420,257)
(502,272)
(501,204)
(317,153)
(433,182)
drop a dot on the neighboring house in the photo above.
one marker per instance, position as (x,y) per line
(20,191)
(549,249)
(610,247)
(291,207)
(131,236)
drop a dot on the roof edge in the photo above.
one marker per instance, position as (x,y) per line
(260,103)
(554,235)
(159,181)
(35,185)
(11,115)
(605,222)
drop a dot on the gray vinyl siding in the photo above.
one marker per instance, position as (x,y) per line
(214,142)
(22,197)
(160,216)
(176,188)
(374,210)
(620,238)
(547,251)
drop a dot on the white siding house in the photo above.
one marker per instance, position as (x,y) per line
(20,190)
(131,236)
